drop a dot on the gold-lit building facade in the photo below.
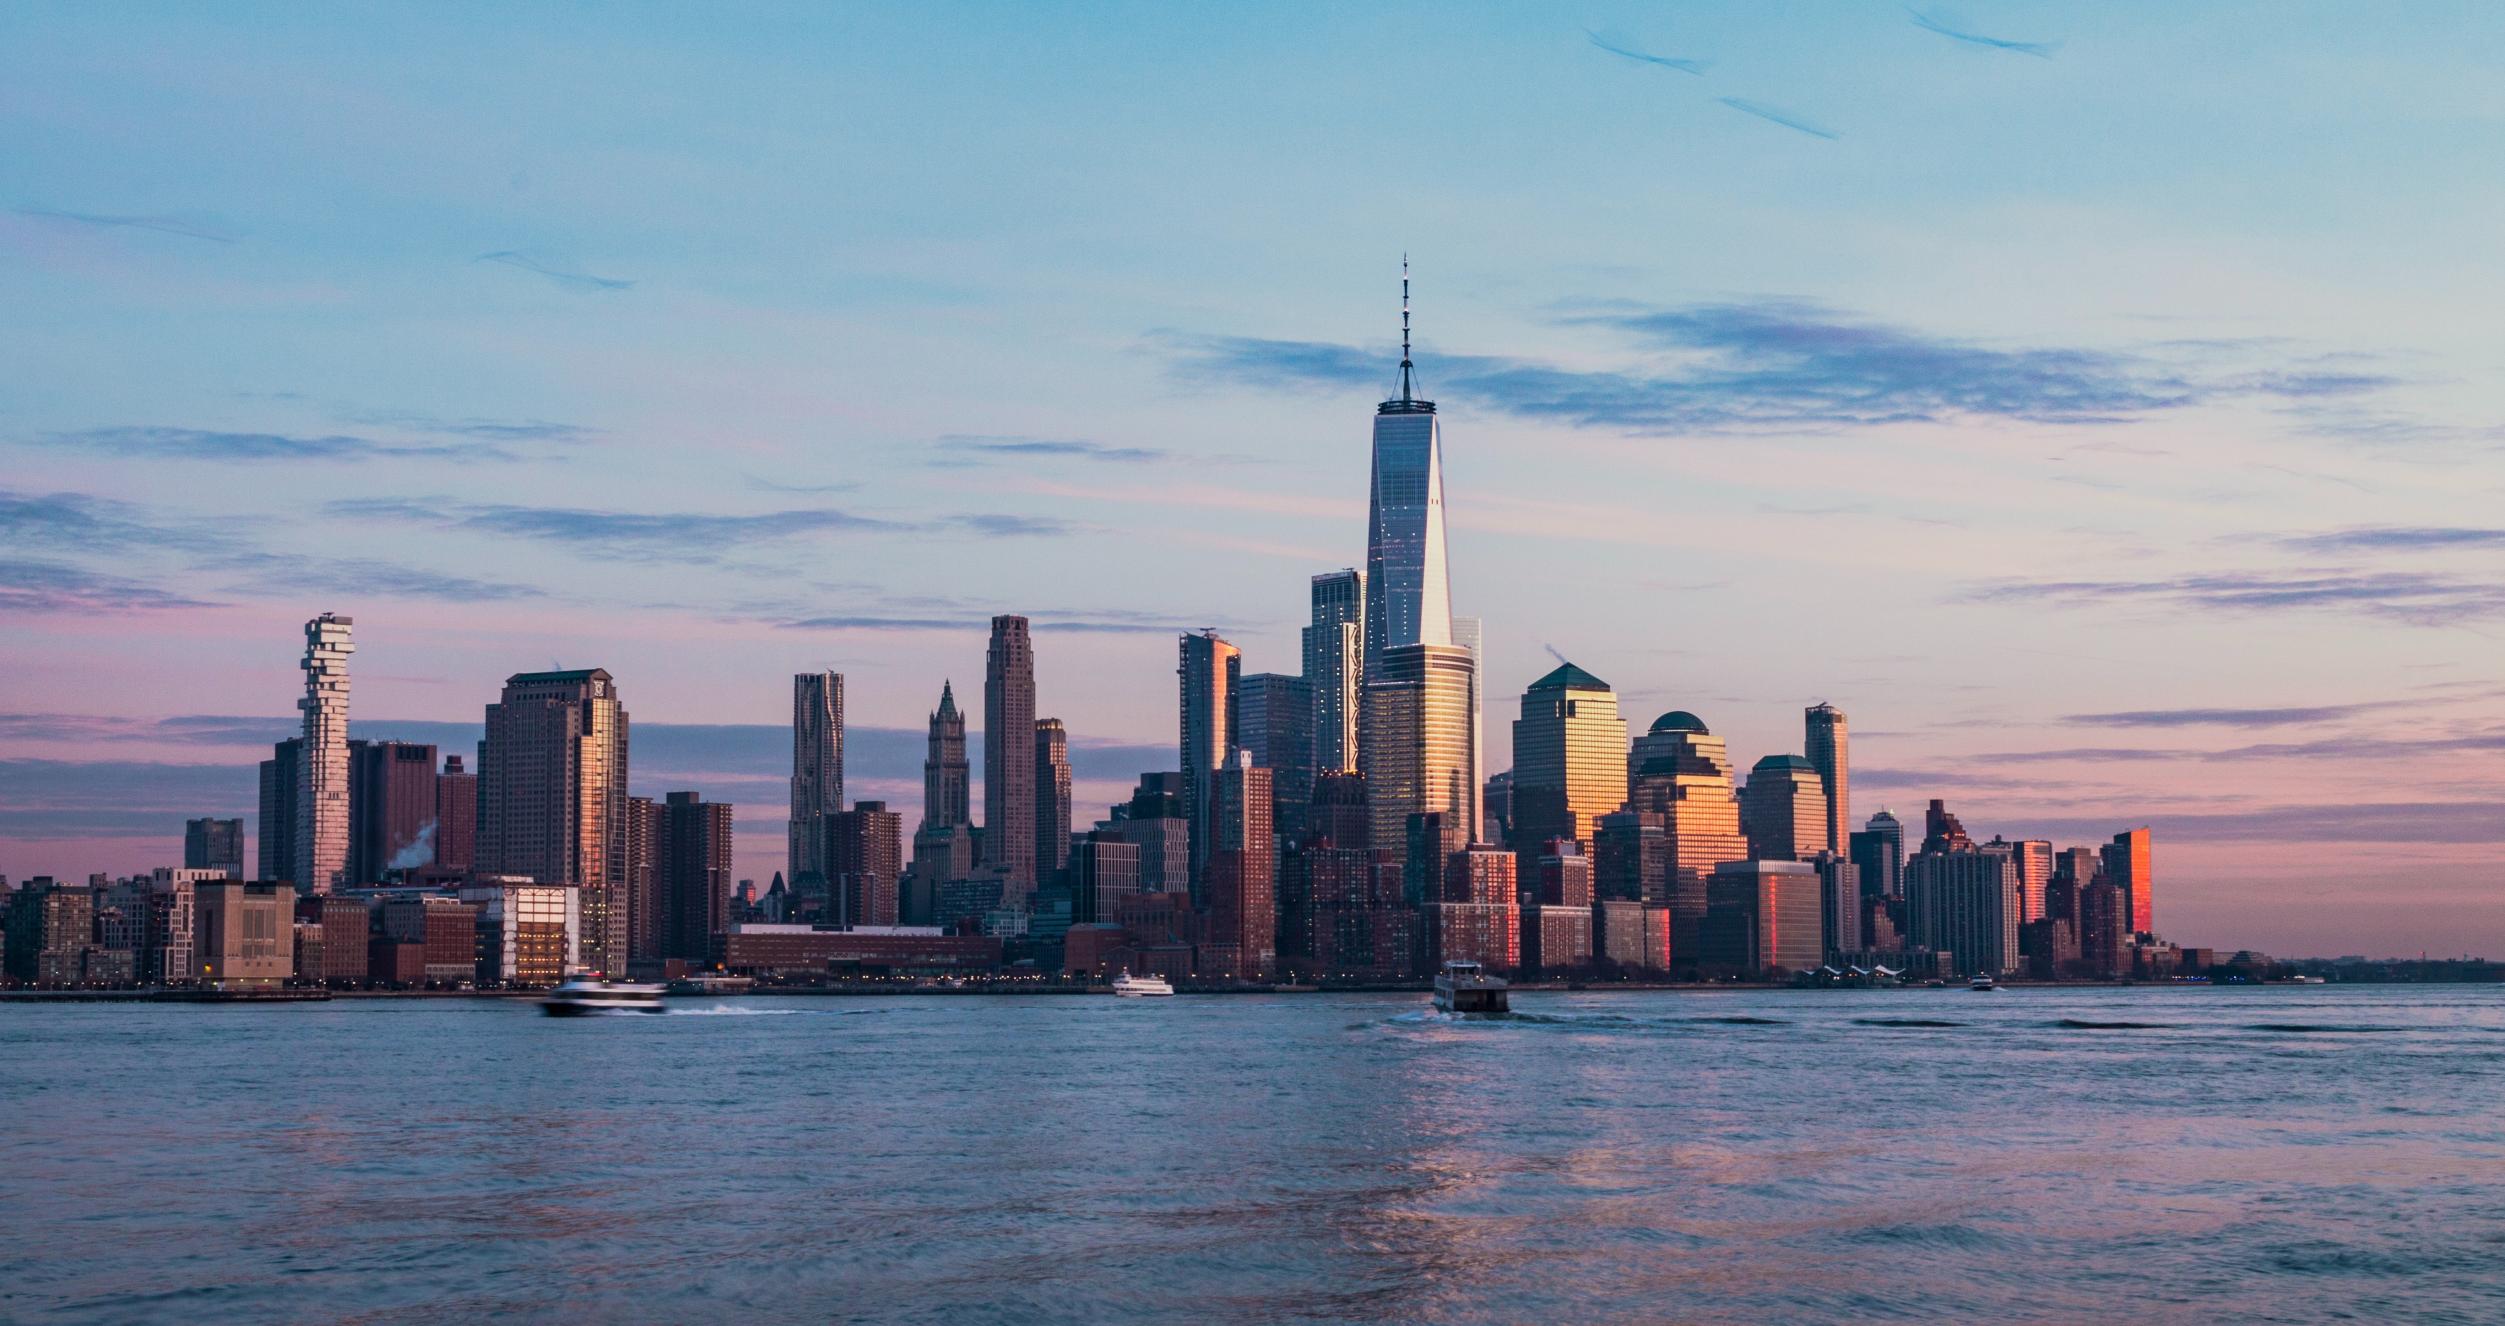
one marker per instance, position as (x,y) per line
(1420,758)
(1682,778)
(1569,765)
(1783,810)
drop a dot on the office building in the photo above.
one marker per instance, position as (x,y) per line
(529,933)
(1008,837)
(321,828)
(276,850)
(552,772)
(817,788)
(1839,905)
(2127,864)
(456,816)
(1334,657)
(1104,871)
(1764,916)
(943,846)
(1408,595)
(1052,799)
(692,857)
(1274,721)
(245,932)
(1569,760)
(1783,810)
(1828,750)
(392,809)
(645,913)
(864,854)
(215,845)
(1241,872)
(1682,776)
(2033,860)
(1879,852)
(1418,743)
(1206,670)
(1964,903)
(1941,831)
(1496,808)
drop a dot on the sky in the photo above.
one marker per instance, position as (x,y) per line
(2099,402)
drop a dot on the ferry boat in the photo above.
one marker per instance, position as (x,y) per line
(1127,986)
(1465,987)
(1981,983)
(581,995)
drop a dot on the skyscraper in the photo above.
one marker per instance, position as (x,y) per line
(692,861)
(456,816)
(321,838)
(946,787)
(817,768)
(646,917)
(864,855)
(1009,756)
(1274,721)
(1828,751)
(1682,781)
(1241,871)
(1964,903)
(552,797)
(1052,799)
(1784,810)
(1880,852)
(393,818)
(1418,747)
(2128,865)
(213,844)
(1335,661)
(277,824)
(1569,761)
(2033,858)
(1408,593)
(1207,669)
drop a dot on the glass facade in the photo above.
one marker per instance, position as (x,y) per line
(1418,748)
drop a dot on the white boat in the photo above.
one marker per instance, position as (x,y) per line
(1465,987)
(1981,983)
(588,994)
(1128,986)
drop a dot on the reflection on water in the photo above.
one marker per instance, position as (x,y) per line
(2313,1154)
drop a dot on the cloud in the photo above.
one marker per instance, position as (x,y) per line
(1004,526)
(570,280)
(1785,118)
(670,535)
(2401,538)
(163,225)
(1760,365)
(210,444)
(490,430)
(1616,45)
(2228,717)
(101,524)
(1105,622)
(960,449)
(2418,599)
(274,573)
(812,489)
(1947,25)
(2403,822)
(32,586)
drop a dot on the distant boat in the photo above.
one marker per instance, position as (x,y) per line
(1127,986)
(1981,983)
(583,995)
(1465,987)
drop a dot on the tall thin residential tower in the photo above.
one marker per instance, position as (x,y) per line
(1828,749)
(1335,661)
(817,768)
(1009,755)
(1207,670)
(321,844)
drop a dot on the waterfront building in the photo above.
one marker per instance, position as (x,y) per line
(1635,938)
(344,924)
(2104,929)
(1274,721)
(817,782)
(1241,872)
(2032,858)
(1631,858)
(1418,743)
(1470,636)
(1839,905)
(443,931)
(692,856)
(1052,799)
(321,827)
(50,928)
(1207,670)
(1334,658)
(167,904)
(1683,778)
(1964,903)
(214,844)
(552,772)
(2127,864)
(1783,810)
(456,816)
(864,855)
(1569,759)
(1104,871)
(392,815)
(1764,916)
(529,933)
(277,824)
(1828,750)
(1008,837)
(2074,868)
(645,913)
(245,937)
(1879,851)
(943,844)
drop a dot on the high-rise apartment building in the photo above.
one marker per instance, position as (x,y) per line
(2033,860)
(393,818)
(1335,660)
(865,857)
(1241,871)
(1964,903)
(692,857)
(1105,870)
(2128,865)
(1207,670)
(1274,721)
(214,844)
(1418,743)
(1828,748)
(1840,903)
(1879,850)
(552,798)
(1009,757)
(817,769)
(1052,799)
(1783,810)
(276,849)
(645,914)
(322,771)
(1569,761)
(456,816)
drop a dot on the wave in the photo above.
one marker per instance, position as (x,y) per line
(2083,1024)
(1906,1022)
(1742,1020)
(2306,1028)
(729,1011)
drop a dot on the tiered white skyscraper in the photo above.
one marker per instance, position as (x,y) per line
(322,771)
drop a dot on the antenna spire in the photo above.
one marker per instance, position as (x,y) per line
(1404,328)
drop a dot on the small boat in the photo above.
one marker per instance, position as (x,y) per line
(582,995)
(1465,987)
(1981,983)
(1127,986)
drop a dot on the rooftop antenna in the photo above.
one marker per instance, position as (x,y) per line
(1404,327)
(1552,653)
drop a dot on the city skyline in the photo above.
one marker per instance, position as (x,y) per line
(1953,497)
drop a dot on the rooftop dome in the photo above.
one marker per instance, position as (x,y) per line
(1680,720)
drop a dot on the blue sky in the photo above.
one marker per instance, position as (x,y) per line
(2111,430)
